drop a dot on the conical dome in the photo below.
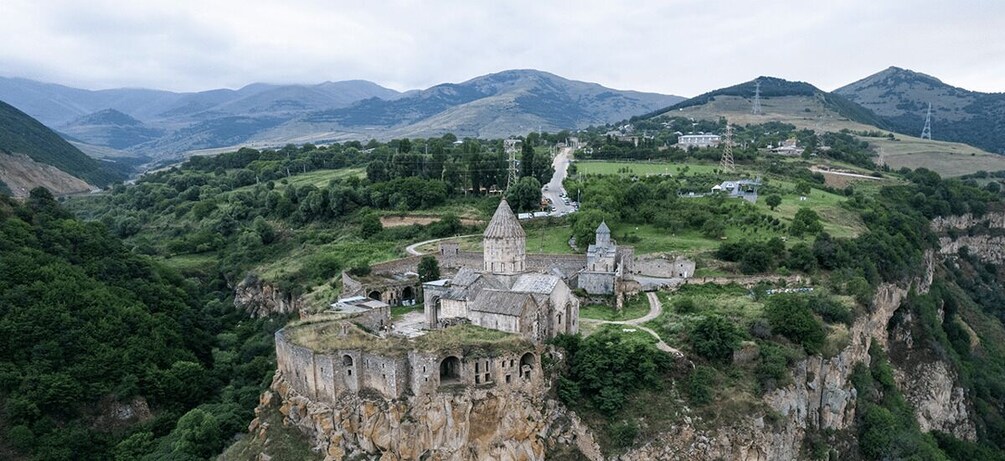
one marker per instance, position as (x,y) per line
(504,224)
(504,247)
(603,229)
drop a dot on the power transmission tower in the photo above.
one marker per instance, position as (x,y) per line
(926,133)
(757,98)
(727,150)
(513,175)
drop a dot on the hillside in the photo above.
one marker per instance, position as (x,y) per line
(21,134)
(804,106)
(900,97)
(163,125)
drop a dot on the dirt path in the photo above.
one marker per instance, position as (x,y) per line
(655,309)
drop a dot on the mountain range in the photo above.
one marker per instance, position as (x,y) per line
(162,125)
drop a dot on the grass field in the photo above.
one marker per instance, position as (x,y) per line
(321,178)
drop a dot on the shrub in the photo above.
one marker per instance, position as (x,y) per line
(699,385)
(684,305)
(790,316)
(715,338)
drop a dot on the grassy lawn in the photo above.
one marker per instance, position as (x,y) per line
(628,333)
(634,308)
(188,262)
(398,311)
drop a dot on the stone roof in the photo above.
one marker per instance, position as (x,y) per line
(536,283)
(501,302)
(603,229)
(504,224)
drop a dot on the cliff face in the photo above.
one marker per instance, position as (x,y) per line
(468,424)
(261,299)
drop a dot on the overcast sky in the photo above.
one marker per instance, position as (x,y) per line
(682,47)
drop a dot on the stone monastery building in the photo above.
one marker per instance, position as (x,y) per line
(503,295)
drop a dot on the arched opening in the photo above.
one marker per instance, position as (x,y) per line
(526,365)
(374,295)
(347,360)
(450,370)
(407,295)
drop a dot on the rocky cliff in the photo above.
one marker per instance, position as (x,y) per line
(466,424)
(261,299)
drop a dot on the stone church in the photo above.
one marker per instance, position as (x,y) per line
(503,295)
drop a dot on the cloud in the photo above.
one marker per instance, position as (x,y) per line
(682,47)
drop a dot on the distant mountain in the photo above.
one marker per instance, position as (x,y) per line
(24,137)
(163,124)
(494,105)
(900,97)
(110,128)
(774,88)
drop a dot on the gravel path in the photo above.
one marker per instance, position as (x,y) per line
(655,309)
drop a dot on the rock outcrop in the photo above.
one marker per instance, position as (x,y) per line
(261,299)
(468,424)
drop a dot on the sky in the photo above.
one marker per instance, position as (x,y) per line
(682,47)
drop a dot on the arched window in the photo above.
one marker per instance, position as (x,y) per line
(374,295)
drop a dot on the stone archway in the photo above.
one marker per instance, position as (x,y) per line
(374,295)
(407,295)
(527,365)
(450,370)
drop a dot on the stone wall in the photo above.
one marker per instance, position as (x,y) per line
(596,283)
(988,248)
(663,266)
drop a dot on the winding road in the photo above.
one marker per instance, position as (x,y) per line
(553,190)
(655,309)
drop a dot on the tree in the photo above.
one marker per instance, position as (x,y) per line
(773,201)
(803,188)
(370,225)
(527,160)
(429,269)
(806,221)
(525,195)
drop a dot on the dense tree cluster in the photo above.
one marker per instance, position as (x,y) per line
(85,321)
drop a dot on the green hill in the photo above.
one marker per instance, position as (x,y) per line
(21,134)
(901,97)
(772,87)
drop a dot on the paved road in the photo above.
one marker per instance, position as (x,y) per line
(655,309)
(553,189)
(413,248)
(841,173)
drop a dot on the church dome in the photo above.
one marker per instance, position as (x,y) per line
(504,224)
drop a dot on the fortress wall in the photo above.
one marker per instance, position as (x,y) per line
(325,372)
(655,266)
(425,374)
(387,375)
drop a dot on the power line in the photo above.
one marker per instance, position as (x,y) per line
(757,98)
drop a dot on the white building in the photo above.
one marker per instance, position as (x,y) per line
(698,140)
